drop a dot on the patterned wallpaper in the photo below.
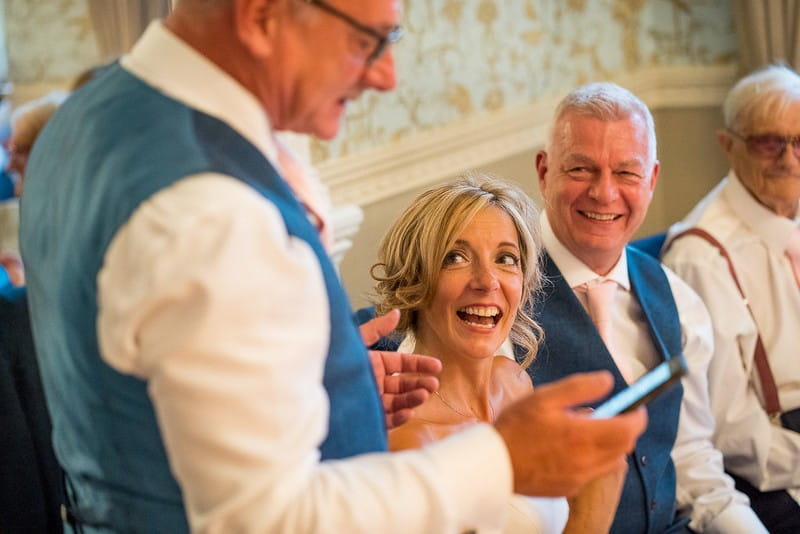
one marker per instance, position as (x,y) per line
(459,58)
(463,57)
(48,41)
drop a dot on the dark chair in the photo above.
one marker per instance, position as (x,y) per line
(651,244)
(30,477)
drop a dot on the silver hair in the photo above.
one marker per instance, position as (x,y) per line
(29,118)
(763,93)
(605,101)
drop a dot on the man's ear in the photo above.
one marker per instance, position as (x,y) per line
(654,175)
(725,140)
(257,23)
(541,167)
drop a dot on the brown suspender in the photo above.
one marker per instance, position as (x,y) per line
(768,388)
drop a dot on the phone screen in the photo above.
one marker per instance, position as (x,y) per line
(647,387)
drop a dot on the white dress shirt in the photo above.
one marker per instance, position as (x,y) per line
(205,296)
(704,492)
(755,238)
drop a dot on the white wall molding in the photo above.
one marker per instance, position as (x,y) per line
(346,221)
(429,157)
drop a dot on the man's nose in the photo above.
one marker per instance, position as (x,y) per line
(604,187)
(380,74)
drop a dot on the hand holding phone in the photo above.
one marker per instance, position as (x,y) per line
(654,382)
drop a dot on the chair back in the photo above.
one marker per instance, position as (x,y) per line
(31,483)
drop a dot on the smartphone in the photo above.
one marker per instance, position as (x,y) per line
(657,380)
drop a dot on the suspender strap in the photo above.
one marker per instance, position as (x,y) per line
(768,388)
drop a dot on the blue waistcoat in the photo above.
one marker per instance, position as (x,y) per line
(572,344)
(110,147)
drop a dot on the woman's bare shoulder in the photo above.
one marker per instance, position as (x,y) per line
(510,376)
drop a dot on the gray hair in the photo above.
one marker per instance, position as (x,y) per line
(28,120)
(607,102)
(764,93)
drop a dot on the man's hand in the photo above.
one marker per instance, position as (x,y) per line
(555,448)
(13,266)
(404,380)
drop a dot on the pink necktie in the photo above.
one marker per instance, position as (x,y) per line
(295,175)
(600,296)
(793,251)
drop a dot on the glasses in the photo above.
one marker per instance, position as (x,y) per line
(381,41)
(769,145)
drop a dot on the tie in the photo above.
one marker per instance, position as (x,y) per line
(297,177)
(600,296)
(793,251)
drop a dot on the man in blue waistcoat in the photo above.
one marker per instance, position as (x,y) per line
(611,307)
(198,354)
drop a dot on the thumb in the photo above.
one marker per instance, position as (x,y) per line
(376,328)
(577,389)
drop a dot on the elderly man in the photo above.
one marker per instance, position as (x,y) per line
(742,256)
(197,350)
(611,307)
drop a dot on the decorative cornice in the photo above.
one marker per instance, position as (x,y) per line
(429,157)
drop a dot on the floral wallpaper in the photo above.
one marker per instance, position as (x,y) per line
(464,57)
(459,58)
(48,41)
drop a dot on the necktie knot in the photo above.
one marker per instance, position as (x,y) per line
(297,176)
(600,299)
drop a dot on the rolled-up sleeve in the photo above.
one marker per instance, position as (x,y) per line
(205,296)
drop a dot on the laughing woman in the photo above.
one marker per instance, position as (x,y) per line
(461,265)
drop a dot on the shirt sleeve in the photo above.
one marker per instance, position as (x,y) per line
(205,296)
(758,450)
(704,492)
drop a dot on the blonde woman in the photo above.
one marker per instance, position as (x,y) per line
(461,265)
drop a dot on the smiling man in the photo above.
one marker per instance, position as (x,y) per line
(753,296)
(197,349)
(611,307)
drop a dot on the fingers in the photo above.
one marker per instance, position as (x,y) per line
(376,328)
(576,390)
(404,383)
(397,362)
(395,419)
(400,407)
(405,401)
(623,430)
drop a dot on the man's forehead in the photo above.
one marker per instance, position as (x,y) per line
(381,14)
(773,116)
(626,135)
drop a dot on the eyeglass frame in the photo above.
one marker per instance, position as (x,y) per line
(394,35)
(786,140)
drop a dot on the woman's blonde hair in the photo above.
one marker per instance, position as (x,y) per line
(412,253)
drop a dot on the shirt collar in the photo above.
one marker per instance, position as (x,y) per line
(773,229)
(164,61)
(576,272)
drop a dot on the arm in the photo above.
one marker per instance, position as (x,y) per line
(704,491)
(204,296)
(754,448)
(591,510)
(594,508)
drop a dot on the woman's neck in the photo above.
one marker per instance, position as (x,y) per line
(464,384)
